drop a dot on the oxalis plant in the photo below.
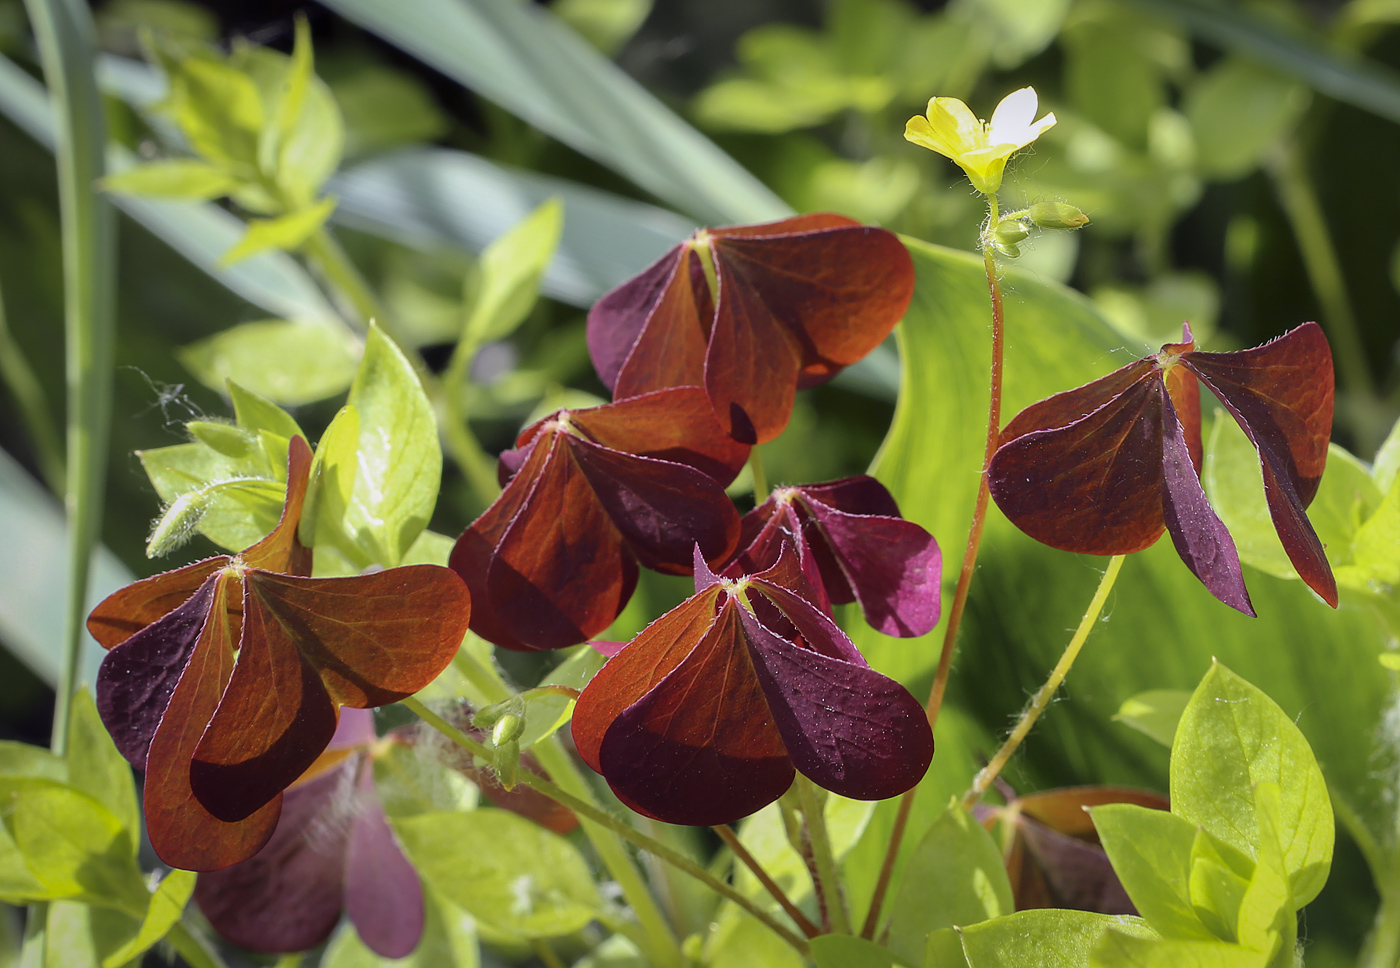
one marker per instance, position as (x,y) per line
(468,824)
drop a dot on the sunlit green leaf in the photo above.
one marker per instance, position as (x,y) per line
(76,848)
(1121,950)
(218,108)
(283,232)
(237,514)
(1267,919)
(1151,853)
(174,178)
(844,951)
(955,877)
(506,871)
(1046,938)
(291,363)
(1154,713)
(97,769)
(510,272)
(80,936)
(167,905)
(1231,738)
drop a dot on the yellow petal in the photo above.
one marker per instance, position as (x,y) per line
(956,124)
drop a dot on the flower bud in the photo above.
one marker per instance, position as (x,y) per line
(1057,215)
(1010,251)
(508,763)
(1011,232)
(507,729)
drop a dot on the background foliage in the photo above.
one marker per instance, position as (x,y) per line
(1236,160)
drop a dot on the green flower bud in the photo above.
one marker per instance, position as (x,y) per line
(508,763)
(507,730)
(1010,251)
(1011,232)
(1057,215)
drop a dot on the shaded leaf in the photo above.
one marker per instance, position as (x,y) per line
(291,363)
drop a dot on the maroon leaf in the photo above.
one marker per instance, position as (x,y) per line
(797,301)
(383,895)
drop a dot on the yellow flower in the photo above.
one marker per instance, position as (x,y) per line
(951,129)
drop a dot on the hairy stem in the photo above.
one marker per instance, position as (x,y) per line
(662,945)
(827,880)
(1045,693)
(969,564)
(732,841)
(592,814)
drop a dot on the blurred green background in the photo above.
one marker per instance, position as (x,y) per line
(1237,160)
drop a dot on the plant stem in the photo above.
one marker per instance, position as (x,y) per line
(67,48)
(662,944)
(969,564)
(1045,693)
(28,392)
(194,948)
(828,880)
(760,479)
(591,813)
(546,953)
(732,841)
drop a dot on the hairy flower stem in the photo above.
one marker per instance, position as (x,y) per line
(760,479)
(732,841)
(969,564)
(1045,693)
(662,945)
(595,816)
(827,880)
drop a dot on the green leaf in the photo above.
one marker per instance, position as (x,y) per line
(291,363)
(1238,112)
(1154,713)
(193,181)
(1375,549)
(1386,467)
(1232,478)
(284,232)
(218,108)
(546,714)
(235,508)
(511,269)
(522,58)
(1121,950)
(76,848)
(398,460)
(1268,919)
(844,951)
(97,769)
(1046,938)
(328,493)
(507,872)
(80,936)
(1220,877)
(1151,853)
(944,949)
(167,905)
(386,108)
(303,143)
(739,941)
(955,877)
(256,414)
(1231,738)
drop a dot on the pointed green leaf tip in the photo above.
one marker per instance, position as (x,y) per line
(1233,737)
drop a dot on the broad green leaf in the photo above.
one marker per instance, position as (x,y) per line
(1154,713)
(1151,853)
(283,232)
(1238,111)
(303,142)
(1046,938)
(329,492)
(227,439)
(97,769)
(291,363)
(218,108)
(1267,920)
(546,714)
(1231,738)
(192,181)
(259,415)
(1121,950)
(398,460)
(80,936)
(17,882)
(449,941)
(739,941)
(844,951)
(76,848)
(522,58)
(167,905)
(1163,628)
(507,872)
(1220,877)
(23,760)
(510,270)
(1345,499)
(430,548)
(955,877)
(1375,549)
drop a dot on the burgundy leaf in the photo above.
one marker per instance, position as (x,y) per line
(383,895)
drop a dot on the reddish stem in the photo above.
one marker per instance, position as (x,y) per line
(803,923)
(969,563)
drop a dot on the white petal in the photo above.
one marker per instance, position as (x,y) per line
(1013,116)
